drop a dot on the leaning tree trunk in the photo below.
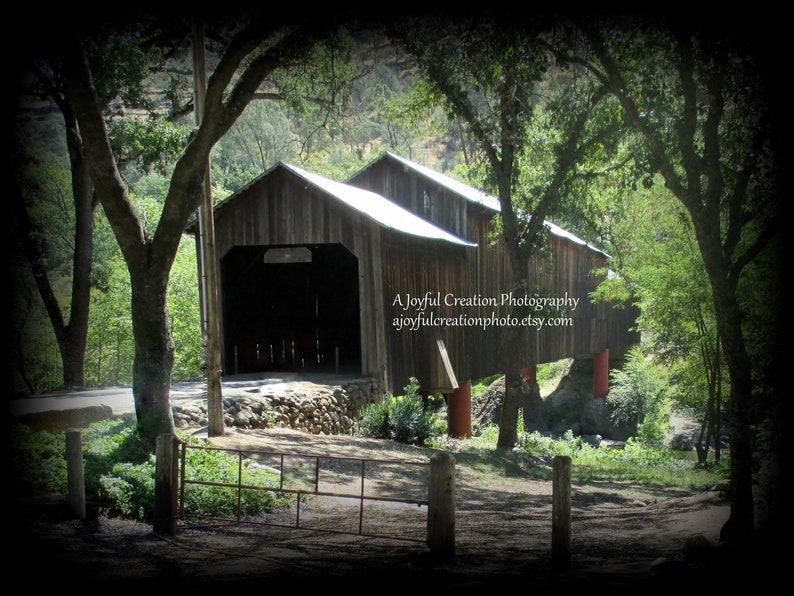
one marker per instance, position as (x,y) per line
(512,365)
(154,355)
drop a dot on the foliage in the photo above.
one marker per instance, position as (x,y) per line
(552,370)
(42,174)
(155,141)
(31,344)
(128,490)
(37,461)
(481,385)
(636,462)
(185,314)
(707,109)
(262,136)
(655,251)
(209,465)
(110,350)
(402,418)
(638,396)
(120,470)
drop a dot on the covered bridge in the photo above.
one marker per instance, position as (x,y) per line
(394,275)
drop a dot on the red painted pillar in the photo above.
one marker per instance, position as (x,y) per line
(459,412)
(601,373)
(530,375)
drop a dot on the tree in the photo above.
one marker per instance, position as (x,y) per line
(256,49)
(649,235)
(700,99)
(535,124)
(119,69)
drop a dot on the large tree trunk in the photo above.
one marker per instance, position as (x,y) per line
(154,353)
(149,258)
(741,522)
(513,336)
(512,364)
(508,423)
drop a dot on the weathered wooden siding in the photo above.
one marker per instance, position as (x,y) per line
(567,267)
(280,209)
(412,268)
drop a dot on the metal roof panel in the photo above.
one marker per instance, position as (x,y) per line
(376,207)
(477,196)
(464,190)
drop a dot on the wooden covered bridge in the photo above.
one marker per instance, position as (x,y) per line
(394,274)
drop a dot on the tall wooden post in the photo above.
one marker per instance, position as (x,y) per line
(166,485)
(441,506)
(209,279)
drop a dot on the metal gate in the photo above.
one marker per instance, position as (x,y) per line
(307,480)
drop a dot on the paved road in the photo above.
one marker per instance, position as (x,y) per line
(121,401)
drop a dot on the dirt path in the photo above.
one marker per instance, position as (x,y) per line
(503,533)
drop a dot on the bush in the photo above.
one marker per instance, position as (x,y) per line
(638,396)
(402,418)
(120,470)
(38,462)
(212,465)
(128,490)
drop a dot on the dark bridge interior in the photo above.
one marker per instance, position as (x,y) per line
(290,308)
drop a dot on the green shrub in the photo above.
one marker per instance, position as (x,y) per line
(38,462)
(374,421)
(107,443)
(128,490)
(402,418)
(638,395)
(120,470)
(212,465)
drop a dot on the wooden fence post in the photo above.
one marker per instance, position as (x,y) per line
(561,513)
(441,506)
(166,484)
(74,471)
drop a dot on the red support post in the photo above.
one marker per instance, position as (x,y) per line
(601,373)
(530,375)
(459,412)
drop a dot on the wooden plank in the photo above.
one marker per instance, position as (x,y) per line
(447,364)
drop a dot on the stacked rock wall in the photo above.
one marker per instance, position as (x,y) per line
(322,409)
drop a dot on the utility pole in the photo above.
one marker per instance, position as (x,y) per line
(209,278)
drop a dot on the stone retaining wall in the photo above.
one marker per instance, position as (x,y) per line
(325,409)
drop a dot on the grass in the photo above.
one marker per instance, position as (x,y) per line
(634,463)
